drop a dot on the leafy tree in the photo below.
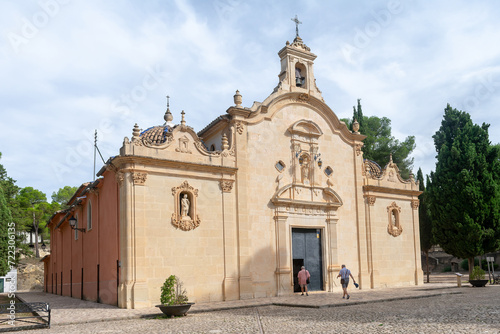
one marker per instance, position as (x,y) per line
(63,195)
(37,210)
(379,143)
(10,192)
(465,193)
(5,220)
(426,239)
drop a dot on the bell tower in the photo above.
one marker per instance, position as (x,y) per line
(297,73)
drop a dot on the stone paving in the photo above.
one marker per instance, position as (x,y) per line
(431,308)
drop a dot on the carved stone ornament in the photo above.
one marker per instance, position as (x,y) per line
(119,178)
(183,145)
(303,97)
(226,185)
(139,178)
(371,200)
(414,204)
(358,149)
(185,215)
(185,224)
(394,227)
(239,127)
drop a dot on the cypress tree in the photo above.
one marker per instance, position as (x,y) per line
(465,194)
(425,223)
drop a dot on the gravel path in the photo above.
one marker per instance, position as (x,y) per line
(468,310)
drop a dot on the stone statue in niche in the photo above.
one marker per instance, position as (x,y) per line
(185,206)
(304,169)
(394,222)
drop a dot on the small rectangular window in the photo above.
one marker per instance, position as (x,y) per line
(89,216)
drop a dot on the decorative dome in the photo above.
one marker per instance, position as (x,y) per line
(156,135)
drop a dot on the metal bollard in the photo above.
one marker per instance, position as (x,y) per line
(459,279)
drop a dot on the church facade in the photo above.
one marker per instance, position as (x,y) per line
(236,209)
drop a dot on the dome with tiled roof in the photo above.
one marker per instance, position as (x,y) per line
(156,135)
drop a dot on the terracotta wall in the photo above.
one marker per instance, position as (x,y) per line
(92,256)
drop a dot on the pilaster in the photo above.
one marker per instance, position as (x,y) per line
(230,284)
(239,136)
(362,233)
(283,267)
(127,240)
(419,275)
(333,256)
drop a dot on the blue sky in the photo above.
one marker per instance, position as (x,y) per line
(68,67)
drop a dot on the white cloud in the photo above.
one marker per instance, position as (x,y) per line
(89,66)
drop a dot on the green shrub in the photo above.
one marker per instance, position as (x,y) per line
(484,265)
(447,269)
(477,274)
(465,264)
(172,292)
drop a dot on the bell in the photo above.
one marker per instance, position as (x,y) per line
(298,82)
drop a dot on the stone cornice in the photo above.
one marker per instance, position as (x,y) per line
(304,204)
(236,111)
(121,161)
(387,190)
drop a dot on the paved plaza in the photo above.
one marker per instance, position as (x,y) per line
(431,308)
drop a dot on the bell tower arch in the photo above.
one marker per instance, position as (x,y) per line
(297,73)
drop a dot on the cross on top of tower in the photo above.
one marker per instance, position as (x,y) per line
(297,22)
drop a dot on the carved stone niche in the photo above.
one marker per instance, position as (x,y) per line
(394,227)
(185,216)
(305,152)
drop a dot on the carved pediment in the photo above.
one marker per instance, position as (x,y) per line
(311,197)
(306,128)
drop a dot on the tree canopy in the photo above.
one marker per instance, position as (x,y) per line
(36,211)
(379,143)
(63,195)
(464,189)
(426,239)
(5,220)
(8,207)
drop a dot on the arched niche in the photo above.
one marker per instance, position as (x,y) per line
(305,151)
(300,75)
(394,226)
(185,215)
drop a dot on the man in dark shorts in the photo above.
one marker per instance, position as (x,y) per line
(344,274)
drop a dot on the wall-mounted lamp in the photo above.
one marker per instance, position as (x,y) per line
(72,224)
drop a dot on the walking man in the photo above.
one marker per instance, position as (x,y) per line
(344,279)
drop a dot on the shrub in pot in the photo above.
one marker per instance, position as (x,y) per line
(174,300)
(477,276)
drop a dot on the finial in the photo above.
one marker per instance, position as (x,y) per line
(297,22)
(225,142)
(168,115)
(355,126)
(390,158)
(183,121)
(237,99)
(136,131)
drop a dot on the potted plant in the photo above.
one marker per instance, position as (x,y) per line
(174,301)
(476,278)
